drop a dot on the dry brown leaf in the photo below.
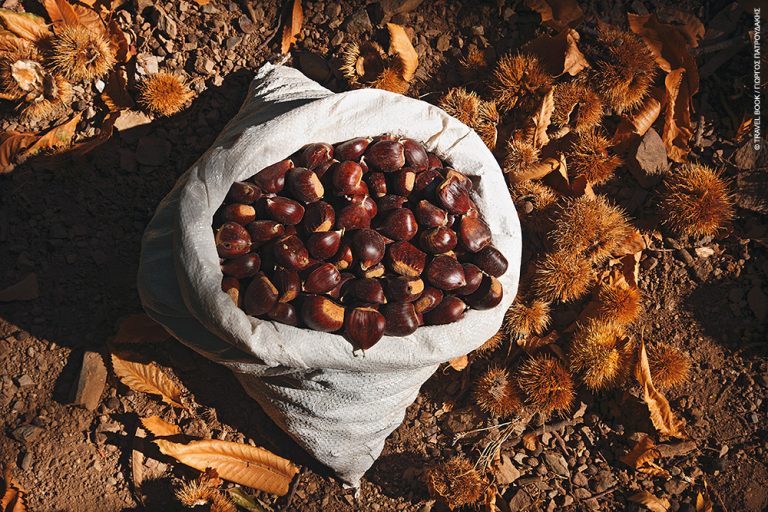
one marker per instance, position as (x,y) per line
(147,378)
(26,289)
(13,499)
(202,2)
(556,13)
(12,149)
(642,456)
(559,54)
(292,25)
(677,131)
(115,95)
(535,171)
(530,441)
(459,363)
(541,120)
(159,427)
(704,501)
(57,138)
(119,42)
(650,501)
(25,25)
(687,24)
(105,132)
(239,463)
(400,46)
(61,12)
(139,328)
(634,243)
(533,343)
(662,416)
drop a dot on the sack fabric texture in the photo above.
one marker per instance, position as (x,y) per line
(337,403)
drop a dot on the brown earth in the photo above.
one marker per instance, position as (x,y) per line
(78,226)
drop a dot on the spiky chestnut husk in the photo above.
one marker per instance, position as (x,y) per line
(562,276)
(467,107)
(362,63)
(546,383)
(623,69)
(590,226)
(595,354)
(222,503)
(56,96)
(13,50)
(496,393)
(455,483)
(535,204)
(518,79)
(80,53)
(588,156)
(475,62)
(487,120)
(527,317)
(669,365)
(199,491)
(164,93)
(391,79)
(492,343)
(521,155)
(696,201)
(577,107)
(619,304)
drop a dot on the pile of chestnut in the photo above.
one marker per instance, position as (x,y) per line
(372,236)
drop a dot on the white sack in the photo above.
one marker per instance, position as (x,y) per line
(338,405)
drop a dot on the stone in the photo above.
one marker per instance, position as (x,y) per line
(649,161)
(147,64)
(358,22)
(604,480)
(152,150)
(391,8)
(520,501)
(505,471)
(580,480)
(25,381)
(557,463)
(675,486)
(26,433)
(338,38)
(165,23)
(745,157)
(443,43)
(91,381)
(231,42)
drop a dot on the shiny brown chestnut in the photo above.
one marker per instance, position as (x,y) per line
(368,247)
(391,202)
(352,149)
(324,245)
(290,253)
(260,296)
(284,313)
(321,313)
(364,327)
(438,240)
(449,310)
(322,279)
(284,210)
(446,273)
(336,292)
(377,270)
(263,230)
(405,259)
(366,202)
(491,261)
(377,184)
(243,266)
(324,167)
(304,185)
(231,286)
(474,234)
(343,258)
(238,212)
(473,276)
(452,194)
(426,182)
(346,177)
(243,192)
(385,155)
(287,282)
(415,155)
(403,289)
(434,161)
(402,181)
(400,224)
(353,216)
(401,319)
(315,154)
(429,215)
(488,295)
(365,289)
(232,240)
(430,298)
(318,216)
(271,179)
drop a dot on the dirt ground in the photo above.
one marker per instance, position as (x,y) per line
(78,226)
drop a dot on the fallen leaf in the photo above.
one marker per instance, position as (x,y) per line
(119,41)
(632,244)
(147,378)
(12,149)
(291,26)
(28,75)
(115,95)
(131,119)
(688,24)
(401,47)
(159,427)
(559,54)
(556,13)
(677,130)
(13,499)
(61,12)
(139,328)
(541,120)
(650,501)
(26,289)
(703,501)
(536,171)
(57,137)
(642,456)
(530,441)
(532,343)
(202,2)
(239,463)
(459,363)
(25,25)
(662,417)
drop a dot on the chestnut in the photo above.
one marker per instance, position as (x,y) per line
(491,261)
(365,289)
(284,313)
(336,292)
(426,182)
(473,276)
(243,266)
(415,155)
(430,298)
(453,195)
(377,184)
(364,327)
(315,154)
(402,181)
(304,185)
(449,310)
(385,155)
(488,295)
(446,273)
(260,296)
(391,202)
(346,177)
(290,253)
(438,240)
(263,230)
(321,313)
(366,202)
(318,216)
(243,192)
(323,245)
(377,270)
(353,216)
(288,284)
(343,258)
(271,179)
(232,240)
(403,289)
(400,224)
(322,279)
(352,149)
(324,167)
(474,234)
(429,215)
(231,286)
(368,247)
(434,161)
(284,210)
(401,319)
(240,213)
(405,259)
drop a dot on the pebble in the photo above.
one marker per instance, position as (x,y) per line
(443,43)
(24,381)
(358,22)
(26,461)
(604,481)
(26,433)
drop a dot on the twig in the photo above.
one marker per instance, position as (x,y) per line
(292,491)
(601,494)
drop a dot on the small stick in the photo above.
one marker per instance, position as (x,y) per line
(292,491)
